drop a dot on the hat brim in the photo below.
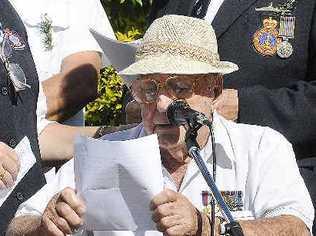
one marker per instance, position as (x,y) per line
(167,64)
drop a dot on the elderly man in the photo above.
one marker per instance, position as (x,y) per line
(178,60)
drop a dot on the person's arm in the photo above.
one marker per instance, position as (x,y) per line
(27,225)
(76,85)
(175,215)
(279,225)
(56,141)
(63,214)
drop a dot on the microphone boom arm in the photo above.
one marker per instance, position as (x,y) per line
(233,226)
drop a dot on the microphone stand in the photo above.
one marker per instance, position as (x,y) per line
(194,151)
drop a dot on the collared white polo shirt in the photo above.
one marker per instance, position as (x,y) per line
(257,161)
(70,23)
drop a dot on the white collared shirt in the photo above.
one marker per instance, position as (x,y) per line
(212,10)
(257,161)
(71,20)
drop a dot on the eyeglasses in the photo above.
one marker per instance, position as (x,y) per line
(180,87)
(14,72)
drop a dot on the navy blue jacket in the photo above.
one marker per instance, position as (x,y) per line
(18,111)
(274,92)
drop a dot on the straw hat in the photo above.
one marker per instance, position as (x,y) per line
(176,44)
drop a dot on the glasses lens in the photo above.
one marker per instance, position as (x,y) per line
(149,90)
(145,91)
(180,87)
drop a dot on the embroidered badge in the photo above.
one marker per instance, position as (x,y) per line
(265,39)
(14,39)
(11,40)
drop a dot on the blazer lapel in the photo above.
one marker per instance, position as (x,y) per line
(228,13)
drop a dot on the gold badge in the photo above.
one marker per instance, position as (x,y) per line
(265,40)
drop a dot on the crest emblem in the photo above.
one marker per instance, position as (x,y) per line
(265,40)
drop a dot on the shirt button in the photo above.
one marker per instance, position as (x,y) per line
(4,91)
(20,196)
(12,143)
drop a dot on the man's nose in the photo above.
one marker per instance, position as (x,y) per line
(163,102)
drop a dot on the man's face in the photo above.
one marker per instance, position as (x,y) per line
(155,93)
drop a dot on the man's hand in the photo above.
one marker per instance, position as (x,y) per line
(227,104)
(174,214)
(63,214)
(9,166)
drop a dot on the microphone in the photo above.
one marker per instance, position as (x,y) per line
(180,113)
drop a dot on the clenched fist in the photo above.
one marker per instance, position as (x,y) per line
(174,214)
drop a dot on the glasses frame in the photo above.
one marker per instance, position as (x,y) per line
(163,84)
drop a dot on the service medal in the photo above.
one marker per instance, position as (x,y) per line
(206,202)
(284,49)
(286,32)
(265,40)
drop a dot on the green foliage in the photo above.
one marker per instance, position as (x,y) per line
(107,108)
(126,14)
(128,19)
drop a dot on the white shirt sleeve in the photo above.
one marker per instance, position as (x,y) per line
(41,111)
(277,186)
(38,202)
(78,34)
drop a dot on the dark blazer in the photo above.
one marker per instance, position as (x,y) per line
(275,92)
(18,114)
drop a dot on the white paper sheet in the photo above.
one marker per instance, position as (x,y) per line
(27,160)
(120,54)
(117,180)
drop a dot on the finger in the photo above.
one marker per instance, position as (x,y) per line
(2,185)
(63,225)
(176,230)
(162,211)
(50,228)
(66,212)
(69,196)
(167,222)
(163,197)
(6,150)
(7,179)
(12,167)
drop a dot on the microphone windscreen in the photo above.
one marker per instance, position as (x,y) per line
(177,112)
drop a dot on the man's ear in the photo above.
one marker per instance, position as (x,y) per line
(216,85)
